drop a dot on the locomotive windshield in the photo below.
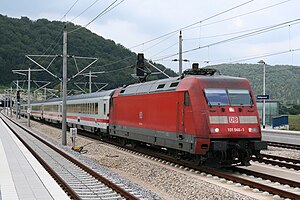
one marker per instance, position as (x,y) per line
(239,97)
(222,96)
(216,97)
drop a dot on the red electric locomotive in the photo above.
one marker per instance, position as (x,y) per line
(201,115)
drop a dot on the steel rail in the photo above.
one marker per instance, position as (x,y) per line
(102,179)
(72,194)
(283,145)
(219,173)
(214,172)
(266,159)
(280,158)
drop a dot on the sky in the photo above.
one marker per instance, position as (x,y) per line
(213,32)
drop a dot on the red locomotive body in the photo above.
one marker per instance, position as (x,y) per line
(211,118)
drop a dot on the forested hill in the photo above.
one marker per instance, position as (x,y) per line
(20,37)
(282,82)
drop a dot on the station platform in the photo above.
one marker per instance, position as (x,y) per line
(21,175)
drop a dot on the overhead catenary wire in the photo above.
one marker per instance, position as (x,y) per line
(226,34)
(65,15)
(105,11)
(264,55)
(84,10)
(256,32)
(172,45)
(160,42)
(59,36)
(115,62)
(57,39)
(189,27)
(241,15)
(193,24)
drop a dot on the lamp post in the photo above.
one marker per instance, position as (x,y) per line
(264,93)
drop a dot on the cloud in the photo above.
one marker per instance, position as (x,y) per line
(134,22)
(123,32)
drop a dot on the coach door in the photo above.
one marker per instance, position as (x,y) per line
(105,109)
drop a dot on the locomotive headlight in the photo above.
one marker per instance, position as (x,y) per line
(231,109)
(215,130)
(253,130)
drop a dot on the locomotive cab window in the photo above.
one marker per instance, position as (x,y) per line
(216,96)
(240,97)
(233,97)
(187,99)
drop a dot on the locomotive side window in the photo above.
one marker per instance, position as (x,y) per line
(160,86)
(216,96)
(187,99)
(174,84)
(240,97)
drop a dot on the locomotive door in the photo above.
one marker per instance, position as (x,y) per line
(183,108)
(184,114)
(180,119)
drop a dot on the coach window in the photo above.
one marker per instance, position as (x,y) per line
(96,108)
(187,99)
(78,108)
(85,108)
(92,108)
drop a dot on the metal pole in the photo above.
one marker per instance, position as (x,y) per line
(10,101)
(180,53)
(90,80)
(45,93)
(5,103)
(264,101)
(28,100)
(17,103)
(64,89)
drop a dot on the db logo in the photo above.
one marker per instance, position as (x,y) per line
(233,120)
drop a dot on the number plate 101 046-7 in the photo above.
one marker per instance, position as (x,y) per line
(236,129)
(233,119)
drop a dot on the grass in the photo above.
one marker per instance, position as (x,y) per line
(294,122)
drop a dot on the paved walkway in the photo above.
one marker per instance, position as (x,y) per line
(21,175)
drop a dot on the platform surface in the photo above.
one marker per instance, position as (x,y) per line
(21,175)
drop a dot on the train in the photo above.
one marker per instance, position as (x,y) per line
(202,116)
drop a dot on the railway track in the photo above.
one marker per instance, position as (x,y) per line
(283,145)
(278,161)
(76,179)
(263,182)
(241,177)
(258,182)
